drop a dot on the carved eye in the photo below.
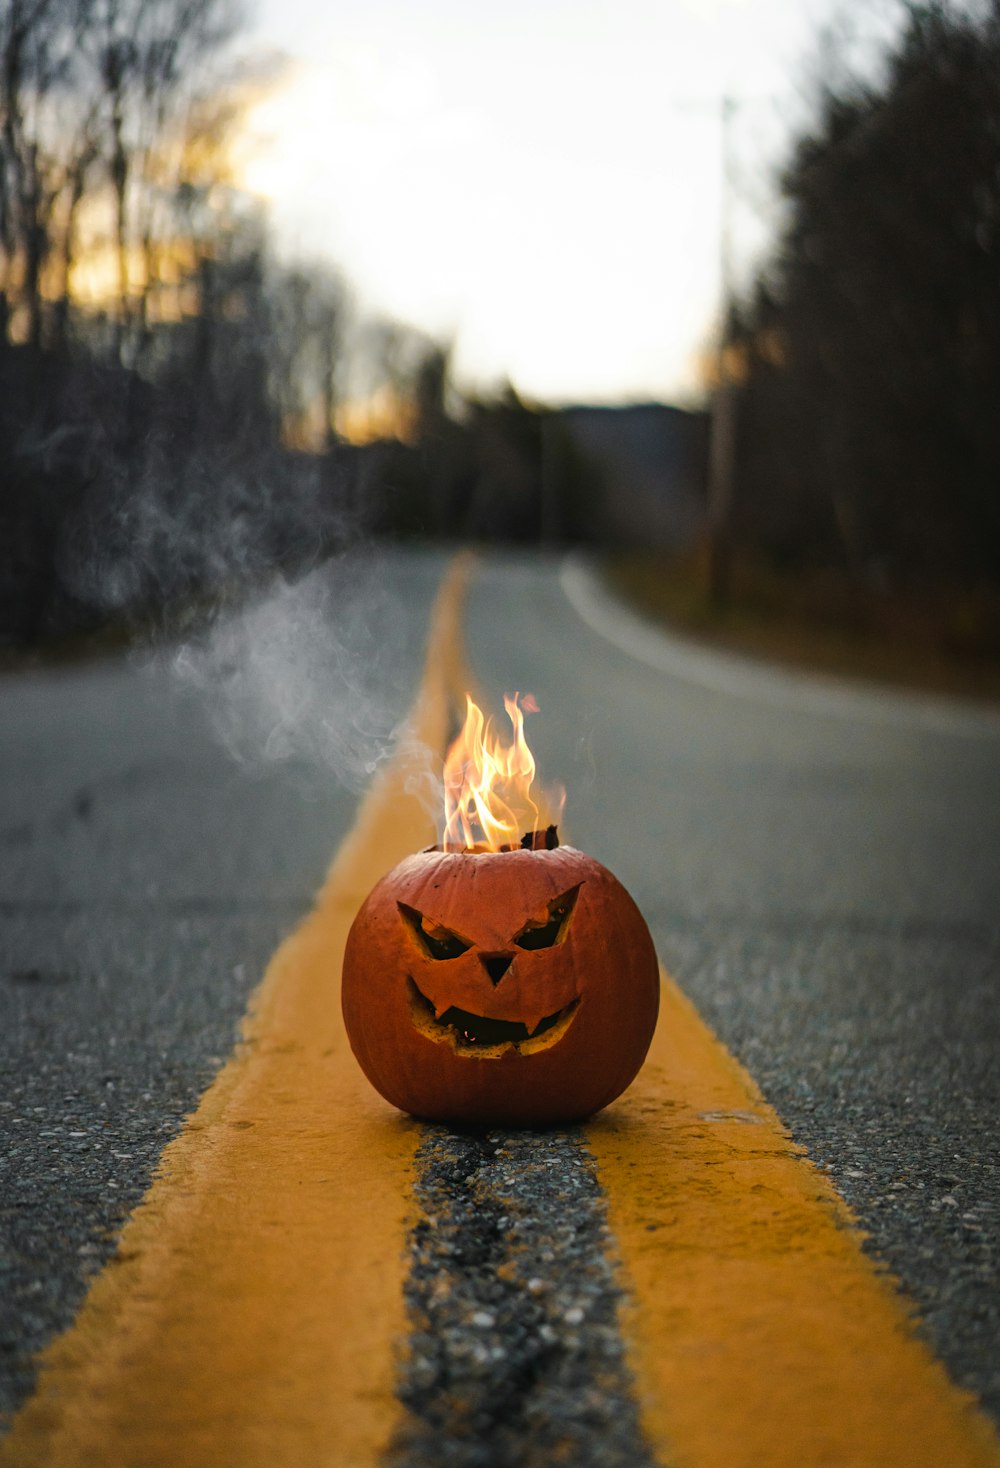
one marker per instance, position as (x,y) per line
(550,926)
(436,940)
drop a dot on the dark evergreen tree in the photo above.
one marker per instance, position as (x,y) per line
(870,425)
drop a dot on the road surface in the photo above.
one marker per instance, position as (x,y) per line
(145,879)
(819,871)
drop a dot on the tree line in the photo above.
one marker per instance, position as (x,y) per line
(169,392)
(148,349)
(869,349)
(99,101)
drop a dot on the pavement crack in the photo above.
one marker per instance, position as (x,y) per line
(515,1357)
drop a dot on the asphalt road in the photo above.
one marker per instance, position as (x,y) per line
(820,873)
(146,877)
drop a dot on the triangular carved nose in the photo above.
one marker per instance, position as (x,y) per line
(496,964)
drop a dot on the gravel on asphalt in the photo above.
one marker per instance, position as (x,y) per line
(515,1359)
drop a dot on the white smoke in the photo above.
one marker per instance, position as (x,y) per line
(321,670)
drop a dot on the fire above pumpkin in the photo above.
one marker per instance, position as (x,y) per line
(490,803)
(499,978)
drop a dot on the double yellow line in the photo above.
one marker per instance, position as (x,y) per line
(253,1314)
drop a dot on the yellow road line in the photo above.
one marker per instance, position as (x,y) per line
(251,1314)
(761,1335)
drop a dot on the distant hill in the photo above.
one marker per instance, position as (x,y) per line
(651,458)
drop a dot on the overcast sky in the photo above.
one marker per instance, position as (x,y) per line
(539,181)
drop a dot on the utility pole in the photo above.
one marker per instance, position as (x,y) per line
(549,527)
(722,426)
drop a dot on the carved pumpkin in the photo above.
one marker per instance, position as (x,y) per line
(516,987)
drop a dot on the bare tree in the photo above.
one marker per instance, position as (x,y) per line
(152,59)
(44,161)
(94,94)
(308,316)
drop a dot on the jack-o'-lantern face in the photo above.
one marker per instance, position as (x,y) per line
(539,998)
(518,987)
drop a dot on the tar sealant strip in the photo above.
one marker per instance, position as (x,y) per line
(515,1358)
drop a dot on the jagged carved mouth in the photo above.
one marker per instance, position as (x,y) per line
(483,1037)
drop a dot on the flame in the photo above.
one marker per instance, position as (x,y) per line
(489,803)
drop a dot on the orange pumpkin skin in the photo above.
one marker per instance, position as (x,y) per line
(593,992)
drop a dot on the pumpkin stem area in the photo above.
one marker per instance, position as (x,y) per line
(546,840)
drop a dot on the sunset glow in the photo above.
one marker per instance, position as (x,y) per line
(543,188)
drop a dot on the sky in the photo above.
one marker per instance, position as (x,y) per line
(540,182)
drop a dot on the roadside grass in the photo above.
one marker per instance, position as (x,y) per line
(123,632)
(80,647)
(115,638)
(945,642)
